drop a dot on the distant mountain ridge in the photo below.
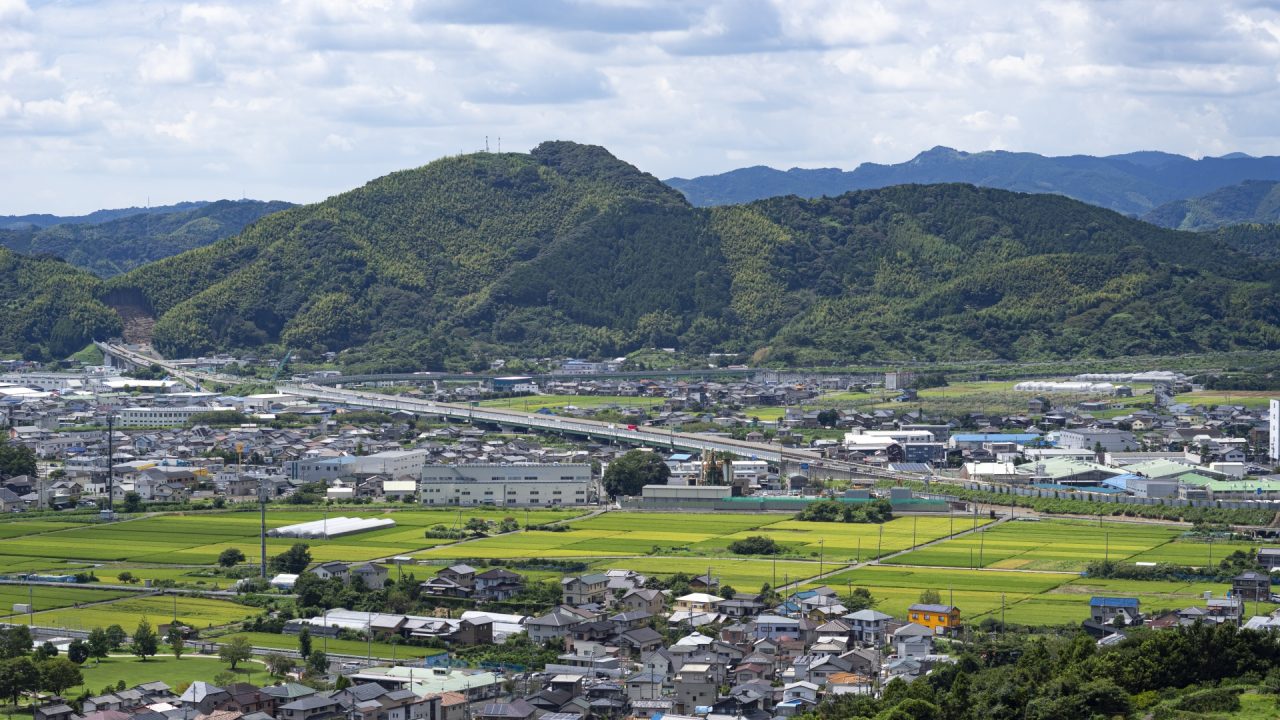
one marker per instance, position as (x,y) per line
(109,242)
(42,220)
(1250,202)
(568,250)
(1133,183)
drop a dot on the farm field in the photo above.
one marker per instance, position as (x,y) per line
(623,534)
(198,539)
(21,564)
(1248,398)
(1192,552)
(344,647)
(198,612)
(1046,545)
(163,667)
(45,597)
(848,542)
(611,534)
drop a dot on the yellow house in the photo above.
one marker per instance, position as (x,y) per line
(941,619)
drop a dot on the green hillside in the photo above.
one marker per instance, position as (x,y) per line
(120,244)
(567,250)
(49,308)
(1252,201)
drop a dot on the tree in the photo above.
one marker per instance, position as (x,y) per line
(177,642)
(508,524)
(78,651)
(477,526)
(755,545)
(132,502)
(859,599)
(292,561)
(317,663)
(115,636)
(58,674)
(45,651)
(930,597)
(279,664)
(125,576)
(829,417)
(145,642)
(16,459)
(99,644)
(629,474)
(236,650)
(230,557)
(15,642)
(304,643)
(17,676)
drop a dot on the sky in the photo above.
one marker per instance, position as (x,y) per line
(123,103)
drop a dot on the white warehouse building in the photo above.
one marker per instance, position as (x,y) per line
(165,416)
(519,485)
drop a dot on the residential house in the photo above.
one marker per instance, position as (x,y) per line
(556,624)
(941,619)
(1107,609)
(373,576)
(585,589)
(1252,586)
(913,640)
(497,584)
(332,569)
(698,603)
(644,599)
(312,707)
(867,627)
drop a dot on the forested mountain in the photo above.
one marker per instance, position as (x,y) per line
(1134,183)
(49,308)
(567,250)
(22,222)
(122,243)
(1250,202)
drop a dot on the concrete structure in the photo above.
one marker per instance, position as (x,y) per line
(1273,424)
(392,464)
(164,416)
(1109,440)
(525,485)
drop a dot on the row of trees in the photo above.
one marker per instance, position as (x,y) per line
(1182,672)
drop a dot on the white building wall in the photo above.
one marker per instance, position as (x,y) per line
(531,485)
(1274,438)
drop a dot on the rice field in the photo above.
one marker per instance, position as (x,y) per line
(48,597)
(198,612)
(197,539)
(1028,570)
(344,647)
(1046,545)
(622,534)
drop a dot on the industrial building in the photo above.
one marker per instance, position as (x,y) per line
(164,416)
(521,485)
(392,463)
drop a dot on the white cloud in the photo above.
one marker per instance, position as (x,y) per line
(116,100)
(190,61)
